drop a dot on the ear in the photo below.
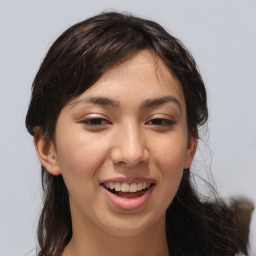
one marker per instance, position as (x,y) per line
(46,152)
(191,149)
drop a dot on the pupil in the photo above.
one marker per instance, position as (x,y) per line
(96,121)
(158,121)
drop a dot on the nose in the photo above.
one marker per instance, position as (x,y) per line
(129,148)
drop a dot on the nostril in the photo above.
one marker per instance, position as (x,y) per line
(121,163)
(129,150)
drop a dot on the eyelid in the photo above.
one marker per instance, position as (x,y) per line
(95,120)
(162,116)
(91,119)
(165,120)
(92,116)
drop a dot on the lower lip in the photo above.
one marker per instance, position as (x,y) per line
(127,204)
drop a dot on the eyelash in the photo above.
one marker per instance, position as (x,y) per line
(99,122)
(164,122)
(95,122)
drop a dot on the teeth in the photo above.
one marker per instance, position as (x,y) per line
(117,186)
(125,187)
(133,187)
(139,186)
(111,185)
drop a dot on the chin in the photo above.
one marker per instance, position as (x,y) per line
(133,225)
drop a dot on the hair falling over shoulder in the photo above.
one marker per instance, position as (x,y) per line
(196,227)
(75,61)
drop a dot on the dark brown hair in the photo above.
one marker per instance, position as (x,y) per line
(76,60)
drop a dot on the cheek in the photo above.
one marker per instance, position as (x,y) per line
(169,158)
(79,158)
(170,153)
(76,151)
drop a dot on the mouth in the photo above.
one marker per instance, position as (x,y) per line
(126,190)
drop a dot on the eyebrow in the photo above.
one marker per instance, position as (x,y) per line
(99,101)
(148,103)
(159,101)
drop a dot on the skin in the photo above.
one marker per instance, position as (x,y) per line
(129,135)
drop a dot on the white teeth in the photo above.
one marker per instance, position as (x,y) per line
(133,187)
(139,186)
(112,185)
(117,186)
(125,187)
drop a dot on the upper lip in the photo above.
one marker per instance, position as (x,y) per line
(128,180)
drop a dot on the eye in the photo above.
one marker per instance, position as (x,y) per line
(96,122)
(160,122)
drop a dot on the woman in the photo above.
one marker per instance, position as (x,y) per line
(115,111)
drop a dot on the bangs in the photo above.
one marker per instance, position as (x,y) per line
(80,56)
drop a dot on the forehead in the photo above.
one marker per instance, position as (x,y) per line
(143,76)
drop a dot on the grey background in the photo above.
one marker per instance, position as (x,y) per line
(221,36)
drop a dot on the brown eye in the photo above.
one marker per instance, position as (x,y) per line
(95,122)
(160,122)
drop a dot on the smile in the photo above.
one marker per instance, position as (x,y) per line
(125,196)
(125,187)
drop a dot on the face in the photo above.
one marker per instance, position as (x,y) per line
(122,146)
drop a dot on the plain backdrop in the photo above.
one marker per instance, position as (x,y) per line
(220,34)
